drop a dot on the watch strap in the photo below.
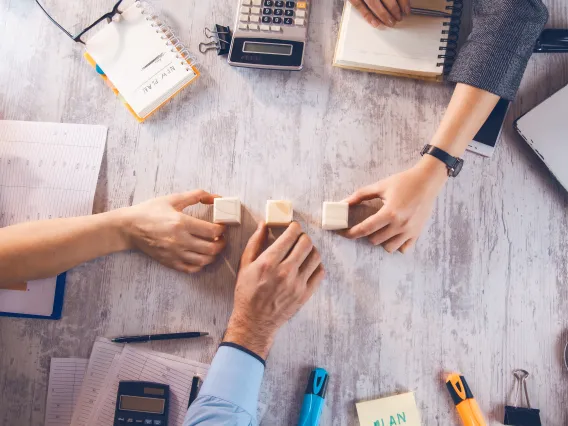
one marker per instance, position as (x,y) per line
(453,164)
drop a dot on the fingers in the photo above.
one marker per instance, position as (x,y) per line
(405,6)
(254,245)
(282,246)
(207,247)
(365,12)
(309,266)
(314,282)
(366,193)
(380,11)
(393,244)
(183,267)
(407,245)
(383,234)
(369,226)
(300,251)
(201,228)
(196,259)
(185,199)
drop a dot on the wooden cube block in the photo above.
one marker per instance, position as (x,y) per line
(335,216)
(279,212)
(227,210)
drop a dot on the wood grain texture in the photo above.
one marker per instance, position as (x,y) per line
(485,290)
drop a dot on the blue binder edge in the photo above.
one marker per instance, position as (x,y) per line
(57,302)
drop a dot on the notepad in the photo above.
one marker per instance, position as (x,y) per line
(395,410)
(47,170)
(142,59)
(412,48)
(65,380)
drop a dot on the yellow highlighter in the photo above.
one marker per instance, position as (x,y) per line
(466,405)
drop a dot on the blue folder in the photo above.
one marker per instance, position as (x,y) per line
(57,302)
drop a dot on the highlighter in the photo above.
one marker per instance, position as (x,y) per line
(314,398)
(467,407)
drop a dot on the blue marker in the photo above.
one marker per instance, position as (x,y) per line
(314,399)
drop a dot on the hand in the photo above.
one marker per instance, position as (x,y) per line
(272,286)
(408,198)
(160,229)
(385,12)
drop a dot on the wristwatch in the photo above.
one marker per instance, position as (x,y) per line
(454,164)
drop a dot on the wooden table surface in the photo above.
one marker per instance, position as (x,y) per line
(484,292)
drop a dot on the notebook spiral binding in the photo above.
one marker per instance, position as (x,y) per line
(186,58)
(451,34)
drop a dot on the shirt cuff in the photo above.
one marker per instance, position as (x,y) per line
(234,376)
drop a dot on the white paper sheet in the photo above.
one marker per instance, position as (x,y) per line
(47,170)
(65,379)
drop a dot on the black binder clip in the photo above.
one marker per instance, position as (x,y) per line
(516,415)
(221,36)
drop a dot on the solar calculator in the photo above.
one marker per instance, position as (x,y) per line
(270,34)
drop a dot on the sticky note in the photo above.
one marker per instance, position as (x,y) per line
(227,210)
(335,216)
(392,411)
(279,212)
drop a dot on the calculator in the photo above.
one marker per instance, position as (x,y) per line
(270,34)
(142,403)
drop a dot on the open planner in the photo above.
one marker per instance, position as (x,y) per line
(47,170)
(141,59)
(420,47)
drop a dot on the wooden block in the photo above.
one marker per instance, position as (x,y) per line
(335,216)
(279,212)
(227,210)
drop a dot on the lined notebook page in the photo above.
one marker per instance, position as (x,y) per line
(411,46)
(102,357)
(47,170)
(149,366)
(65,379)
(138,62)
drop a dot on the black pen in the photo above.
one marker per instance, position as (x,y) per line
(194,390)
(429,12)
(152,337)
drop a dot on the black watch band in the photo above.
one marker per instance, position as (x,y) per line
(453,164)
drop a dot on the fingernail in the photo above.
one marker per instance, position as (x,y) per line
(375,23)
(407,10)
(391,22)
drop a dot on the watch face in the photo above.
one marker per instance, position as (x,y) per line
(457,168)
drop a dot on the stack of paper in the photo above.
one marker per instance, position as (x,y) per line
(110,363)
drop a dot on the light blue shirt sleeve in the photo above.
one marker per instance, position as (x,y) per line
(229,395)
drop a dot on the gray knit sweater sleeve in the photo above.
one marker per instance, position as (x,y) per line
(496,53)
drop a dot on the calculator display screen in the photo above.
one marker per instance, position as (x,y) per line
(141,404)
(267,48)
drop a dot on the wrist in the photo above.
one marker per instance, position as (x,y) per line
(119,225)
(253,337)
(433,169)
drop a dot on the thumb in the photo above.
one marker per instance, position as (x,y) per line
(254,245)
(185,199)
(366,193)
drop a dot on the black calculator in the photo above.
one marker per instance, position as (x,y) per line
(270,34)
(142,403)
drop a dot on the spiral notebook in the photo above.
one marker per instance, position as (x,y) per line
(141,60)
(420,47)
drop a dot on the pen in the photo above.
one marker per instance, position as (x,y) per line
(467,407)
(429,12)
(314,398)
(152,337)
(194,390)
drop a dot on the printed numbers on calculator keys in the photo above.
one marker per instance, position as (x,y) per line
(266,12)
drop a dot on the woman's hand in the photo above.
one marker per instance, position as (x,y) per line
(408,198)
(159,228)
(385,12)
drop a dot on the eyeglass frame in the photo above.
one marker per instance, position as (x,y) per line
(77,38)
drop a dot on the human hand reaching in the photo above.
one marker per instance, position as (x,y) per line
(159,228)
(272,286)
(408,199)
(382,12)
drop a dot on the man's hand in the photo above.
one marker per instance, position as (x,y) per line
(408,198)
(159,228)
(272,286)
(385,12)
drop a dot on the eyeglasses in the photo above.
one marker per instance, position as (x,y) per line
(77,38)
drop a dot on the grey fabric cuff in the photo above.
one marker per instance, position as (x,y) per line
(489,68)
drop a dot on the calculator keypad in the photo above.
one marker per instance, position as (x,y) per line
(267,12)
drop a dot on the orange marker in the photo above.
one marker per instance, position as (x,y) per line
(466,405)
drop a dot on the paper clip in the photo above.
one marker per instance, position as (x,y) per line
(517,415)
(221,36)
